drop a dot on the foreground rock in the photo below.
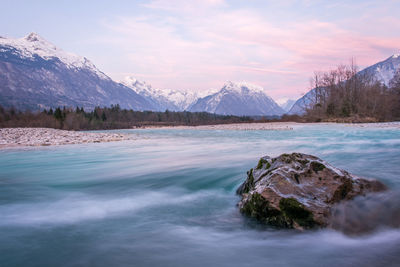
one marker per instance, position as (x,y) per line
(11,137)
(298,191)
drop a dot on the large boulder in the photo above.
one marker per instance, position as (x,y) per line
(299,191)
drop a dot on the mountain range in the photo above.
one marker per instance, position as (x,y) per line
(35,74)
(162,100)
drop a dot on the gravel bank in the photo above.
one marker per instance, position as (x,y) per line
(11,137)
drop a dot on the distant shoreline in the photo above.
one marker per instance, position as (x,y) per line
(265,126)
(271,126)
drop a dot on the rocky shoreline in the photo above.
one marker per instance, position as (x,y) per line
(15,137)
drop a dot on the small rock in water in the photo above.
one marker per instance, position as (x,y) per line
(299,191)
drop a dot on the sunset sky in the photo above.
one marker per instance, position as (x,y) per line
(200,44)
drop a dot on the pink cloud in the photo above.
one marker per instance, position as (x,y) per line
(201,52)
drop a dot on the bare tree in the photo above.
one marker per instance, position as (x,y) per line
(344,92)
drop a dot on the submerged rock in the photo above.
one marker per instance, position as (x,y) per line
(298,191)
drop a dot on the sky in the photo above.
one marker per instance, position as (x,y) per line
(200,44)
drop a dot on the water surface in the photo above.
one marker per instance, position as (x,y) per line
(168,199)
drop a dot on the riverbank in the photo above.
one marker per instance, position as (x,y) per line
(14,137)
(273,126)
(265,126)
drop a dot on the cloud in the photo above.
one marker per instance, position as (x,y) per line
(184,6)
(181,47)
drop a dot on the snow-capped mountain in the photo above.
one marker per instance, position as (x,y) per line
(155,96)
(287,105)
(162,100)
(383,72)
(238,98)
(36,74)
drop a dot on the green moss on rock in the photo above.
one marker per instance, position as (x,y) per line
(291,212)
(287,158)
(303,161)
(296,177)
(294,211)
(247,185)
(317,166)
(342,191)
(259,208)
(261,163)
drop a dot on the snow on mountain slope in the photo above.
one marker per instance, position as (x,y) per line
(287,105)
(155,96)
(173,100)
(300,106)
(238,98)
(383,72)
(33,44)
(34,74)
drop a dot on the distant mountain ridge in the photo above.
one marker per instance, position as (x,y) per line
(35,74)
(172,100)
(383,72)
(287,105)
(240,99)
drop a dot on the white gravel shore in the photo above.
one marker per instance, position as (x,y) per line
(270,126)
(11,137)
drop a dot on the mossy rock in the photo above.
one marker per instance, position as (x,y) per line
(304,161)
(288,158)
(290,211)
(298,191)
(261,163)
(259,208)
(295,211)
(247,185)
(317,166)
(342,191)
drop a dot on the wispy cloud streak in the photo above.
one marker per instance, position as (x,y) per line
(199,44)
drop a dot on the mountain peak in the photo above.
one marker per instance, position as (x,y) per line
(34,45)
(240,99)
(131,81)
(396,55)
(33,37)
(242,86)
(37,41)
(161,98)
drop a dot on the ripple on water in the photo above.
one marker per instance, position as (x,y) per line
(169,200)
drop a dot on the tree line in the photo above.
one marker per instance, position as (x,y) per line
(107,118)
(344,94)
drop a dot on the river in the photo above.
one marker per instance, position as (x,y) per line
(168,199)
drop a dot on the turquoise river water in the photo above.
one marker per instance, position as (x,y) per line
(168,199)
